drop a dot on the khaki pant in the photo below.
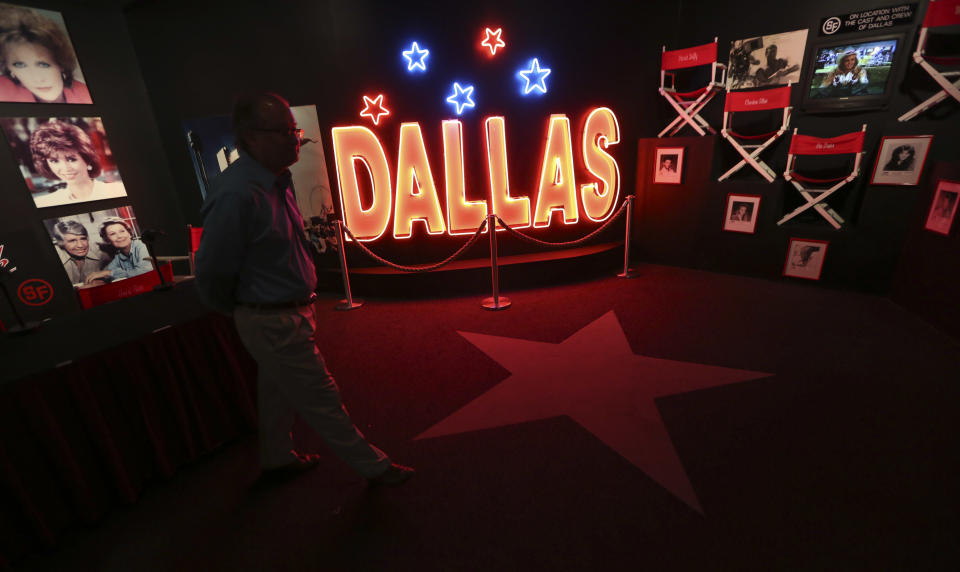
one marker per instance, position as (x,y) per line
(293,378)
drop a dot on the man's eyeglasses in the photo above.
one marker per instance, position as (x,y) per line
(286,131)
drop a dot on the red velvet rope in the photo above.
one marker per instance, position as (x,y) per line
(427,267)
(581,240)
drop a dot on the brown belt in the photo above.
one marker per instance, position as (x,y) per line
(279,305)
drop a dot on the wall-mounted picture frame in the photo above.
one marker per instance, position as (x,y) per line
(100,247)
(943,208)
(764,61)
(668,166)
(64,160)
(741,213)
(805,258)
(901,159)
(37,61)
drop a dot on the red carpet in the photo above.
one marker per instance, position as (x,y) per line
(680,420)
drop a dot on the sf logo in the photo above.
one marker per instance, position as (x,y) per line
(831,25)
(35,292)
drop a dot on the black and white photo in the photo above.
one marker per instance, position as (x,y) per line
(764,61)
(741,213)
(668,165)
(900,160)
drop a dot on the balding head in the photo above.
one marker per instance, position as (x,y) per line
(263,127)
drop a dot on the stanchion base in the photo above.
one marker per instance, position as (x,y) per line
(343,306)
(630,273)
(502,303)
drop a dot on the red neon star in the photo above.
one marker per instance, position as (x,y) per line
(370,104)
(497,43)
(594,378)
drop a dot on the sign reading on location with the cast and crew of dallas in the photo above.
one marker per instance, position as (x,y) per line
(866,20)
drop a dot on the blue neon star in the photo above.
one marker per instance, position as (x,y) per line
(461,97)
(416,58)
(535,77)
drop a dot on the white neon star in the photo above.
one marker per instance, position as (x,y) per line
(415,53)
(535,77)
(461,97)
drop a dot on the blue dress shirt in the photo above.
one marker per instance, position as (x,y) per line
(253,249)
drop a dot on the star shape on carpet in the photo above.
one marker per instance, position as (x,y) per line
(493,41)
(374,108)
(594,378)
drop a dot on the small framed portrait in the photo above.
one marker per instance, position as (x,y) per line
(99,247)
(64,160)
(37,60)
(943,209)
(741,213)
(900,160)
(668,167)
(805,258)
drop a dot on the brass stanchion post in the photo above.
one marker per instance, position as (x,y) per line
(349,303)
(627,271)
(496,302)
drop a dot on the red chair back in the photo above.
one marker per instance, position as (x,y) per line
(942,13)
(842,144)
(689,57)
(777,98)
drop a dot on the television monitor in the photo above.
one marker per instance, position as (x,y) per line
(852,74)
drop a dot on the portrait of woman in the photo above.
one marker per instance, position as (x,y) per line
(902,159)
(65,152)
(129,255)
(63,160)
(37,61)
(848,76)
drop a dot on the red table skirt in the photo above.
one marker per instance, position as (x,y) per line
(79,439)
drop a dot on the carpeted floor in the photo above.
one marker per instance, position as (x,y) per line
(681,420)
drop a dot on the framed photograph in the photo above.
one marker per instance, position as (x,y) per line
(99,247)
(668,166)
(37,61)
(64,160)
(805,258)
(765,61)
(900,160)
(943,209)
(741,213)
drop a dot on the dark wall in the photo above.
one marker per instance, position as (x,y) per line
(113,75)
(864,254)
(196,57)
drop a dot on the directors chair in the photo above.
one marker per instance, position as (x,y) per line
(940,13)
(688,104)
(739,102)
(851,143)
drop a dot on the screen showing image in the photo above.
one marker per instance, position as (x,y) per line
(853,70)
